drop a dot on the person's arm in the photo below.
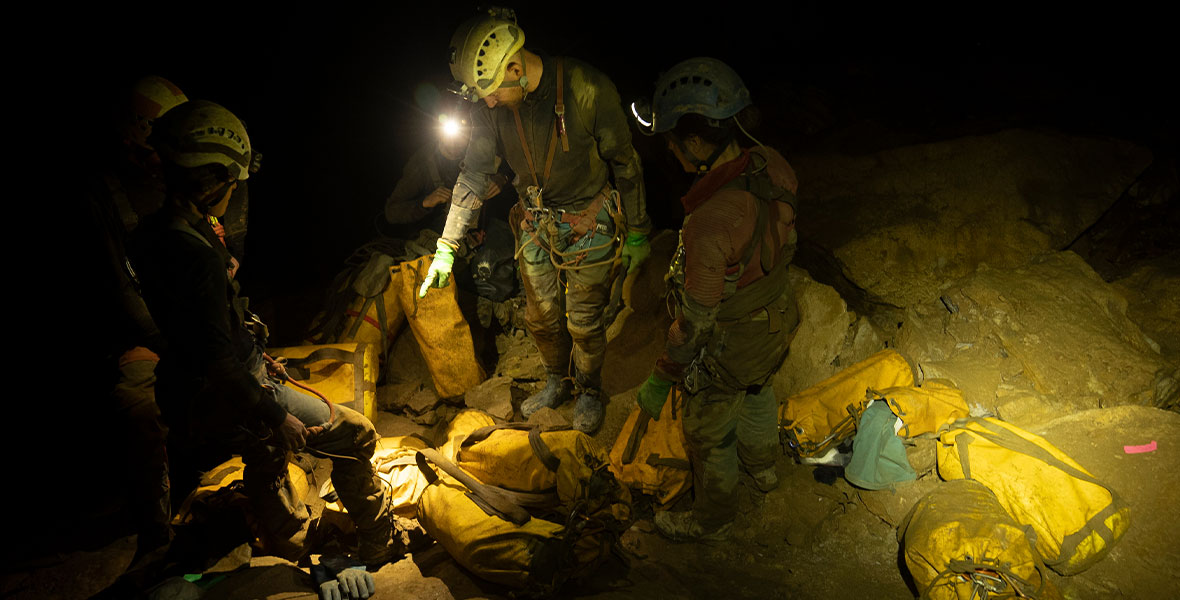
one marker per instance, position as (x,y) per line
(196,290)
(479,164)
(609,127)
(404,205)
(708,246)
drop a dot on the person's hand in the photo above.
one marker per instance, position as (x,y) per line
(439,273)
(232,269)
(495,185)
(438,196)
(292,432)
(356,583)
(330,590)
(636,249)
(653,394)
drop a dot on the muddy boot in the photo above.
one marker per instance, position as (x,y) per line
(588,412)
(556,391)
(766,479)
(682,527)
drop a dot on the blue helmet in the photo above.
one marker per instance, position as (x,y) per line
(704,86)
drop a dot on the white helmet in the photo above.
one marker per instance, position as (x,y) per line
(199,133)
(151,97)
(480,50)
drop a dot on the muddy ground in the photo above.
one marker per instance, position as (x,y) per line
(816,536)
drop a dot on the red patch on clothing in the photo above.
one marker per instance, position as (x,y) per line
(713,181)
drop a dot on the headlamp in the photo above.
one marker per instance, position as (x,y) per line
(464,91)
(449,126)
(641,110)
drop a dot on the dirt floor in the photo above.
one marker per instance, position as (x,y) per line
(816,536)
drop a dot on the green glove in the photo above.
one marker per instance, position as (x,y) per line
(439,274)
(356,583)
(635,250)
(653,394)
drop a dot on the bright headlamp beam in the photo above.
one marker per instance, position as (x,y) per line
(635,111)
(450,127)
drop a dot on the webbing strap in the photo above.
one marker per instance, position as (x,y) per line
(559,117)
(636,437)
(540,448)
(528,154)
(503,503)
(298,369)
(559,109)
(356,325)
(676,463)
(542,451)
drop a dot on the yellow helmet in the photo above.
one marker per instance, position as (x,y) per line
(199,133)
(480,50)
(151,97)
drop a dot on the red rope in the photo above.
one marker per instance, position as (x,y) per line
(279,370)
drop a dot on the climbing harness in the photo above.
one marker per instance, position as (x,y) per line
(548,220)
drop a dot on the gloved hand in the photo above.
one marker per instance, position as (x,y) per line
(439,274)
(653,394)
(330,590)
(356,583)
(636,249)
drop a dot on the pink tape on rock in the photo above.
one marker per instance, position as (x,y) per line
(1140,449)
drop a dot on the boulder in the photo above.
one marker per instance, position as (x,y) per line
(906,221)
(519,358)
(549,417)
(1153,303)
(493,396)
(1036,341)
(830,337)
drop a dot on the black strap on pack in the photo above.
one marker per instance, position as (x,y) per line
(540,448)
(495,501)
(298,369)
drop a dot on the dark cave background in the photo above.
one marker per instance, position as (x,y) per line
(333,96)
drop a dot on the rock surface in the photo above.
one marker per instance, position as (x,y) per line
(830,337)
(1035,341)
(905,221)
(493,396)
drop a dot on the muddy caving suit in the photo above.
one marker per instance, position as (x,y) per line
(568,220)
(214,388)
(118,200)
(737,314)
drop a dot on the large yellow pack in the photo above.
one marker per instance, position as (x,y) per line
(924,410)
(344,373)
(959,544)
(227,478)
(436,322)
(1076,518)
(524,458)
(651,456)
(461,426)
(510,547)
(824,415)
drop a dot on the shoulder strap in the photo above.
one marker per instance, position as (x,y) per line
(503,503)
(558,130)
(540,448)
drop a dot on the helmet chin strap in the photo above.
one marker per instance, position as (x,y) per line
(703,166)
(524,78)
